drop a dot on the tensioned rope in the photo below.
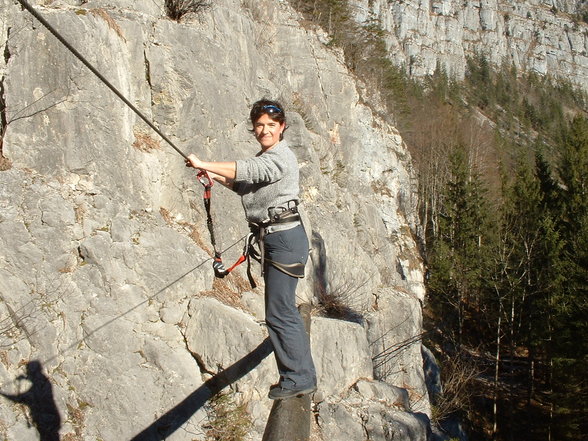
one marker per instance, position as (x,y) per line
(147,300)
(122,314)
(220,271)
(80,57)
(125,100)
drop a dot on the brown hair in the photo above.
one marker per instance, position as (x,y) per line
(273,109)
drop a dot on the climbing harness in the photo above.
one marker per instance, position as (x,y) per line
(279,219)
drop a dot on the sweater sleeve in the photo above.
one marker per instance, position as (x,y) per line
(266,168)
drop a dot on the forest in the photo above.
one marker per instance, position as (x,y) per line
(502,161)
(505,215)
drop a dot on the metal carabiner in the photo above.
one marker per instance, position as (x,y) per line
(204,178)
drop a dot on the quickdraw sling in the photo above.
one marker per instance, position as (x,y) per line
(248,250)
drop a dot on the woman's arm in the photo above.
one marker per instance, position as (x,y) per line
(226,170)
(222,172)
(227,182)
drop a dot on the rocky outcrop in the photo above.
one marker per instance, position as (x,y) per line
(545,36)
(105,269)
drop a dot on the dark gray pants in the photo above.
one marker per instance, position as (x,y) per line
(286,329)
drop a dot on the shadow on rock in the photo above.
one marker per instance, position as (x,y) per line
(39,399)
(175,418)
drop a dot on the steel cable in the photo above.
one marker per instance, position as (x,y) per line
(80,57)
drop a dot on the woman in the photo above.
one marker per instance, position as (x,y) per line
(268,185)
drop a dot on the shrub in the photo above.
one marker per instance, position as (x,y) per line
(458,376)
(5,164)
(343,302)
(176,9)
(228,421)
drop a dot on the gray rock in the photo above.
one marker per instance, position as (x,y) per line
(339,422)
(383,392)
(432,374)
(105,274)
(220,337)
(338,367)
(533,36)
(394,332)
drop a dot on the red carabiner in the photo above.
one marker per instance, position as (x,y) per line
(205,180)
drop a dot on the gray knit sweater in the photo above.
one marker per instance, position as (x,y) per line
(269,179)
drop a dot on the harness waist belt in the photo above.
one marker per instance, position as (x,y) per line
(272,228)
(280,219)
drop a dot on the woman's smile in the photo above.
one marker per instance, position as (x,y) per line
(267,131)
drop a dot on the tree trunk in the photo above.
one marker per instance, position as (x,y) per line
(496,374)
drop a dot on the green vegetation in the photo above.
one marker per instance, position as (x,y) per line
(507,230)
(228,421)
(502,159)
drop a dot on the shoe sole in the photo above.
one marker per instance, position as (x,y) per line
(298,394)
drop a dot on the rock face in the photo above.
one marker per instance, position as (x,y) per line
(105,269)
(545,36)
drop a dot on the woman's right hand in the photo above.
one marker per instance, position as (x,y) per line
(193,161)
(219,170)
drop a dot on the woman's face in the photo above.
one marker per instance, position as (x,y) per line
(267,131)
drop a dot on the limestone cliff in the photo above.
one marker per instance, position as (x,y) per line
(545,36)
(105,272)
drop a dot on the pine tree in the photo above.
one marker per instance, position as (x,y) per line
(458,255)
(570,303)
(521,231)
(515,278)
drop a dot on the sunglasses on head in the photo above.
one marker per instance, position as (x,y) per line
(272,109)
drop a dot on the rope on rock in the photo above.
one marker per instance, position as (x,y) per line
(219,269)
(80,57)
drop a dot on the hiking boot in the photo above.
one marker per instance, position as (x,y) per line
(280,393)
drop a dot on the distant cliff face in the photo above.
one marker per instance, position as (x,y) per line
(105,271)
(535,35)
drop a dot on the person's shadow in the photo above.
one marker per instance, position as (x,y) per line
(174,418)
(39,399)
